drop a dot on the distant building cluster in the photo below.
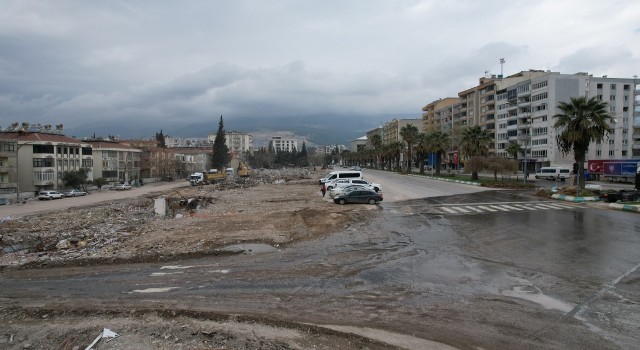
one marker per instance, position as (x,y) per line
(35,157)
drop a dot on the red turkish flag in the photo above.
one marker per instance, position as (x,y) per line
(455,157)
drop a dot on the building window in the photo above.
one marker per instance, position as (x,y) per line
(599,86)
(7,146)
(612,108)
(48,149)
(624,153)
(598,152)
(599,97)
(539,85)
(42,162)
(539,97)
(612,97)
(611,153)
(613,86)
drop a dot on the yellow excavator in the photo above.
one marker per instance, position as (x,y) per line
(243,170)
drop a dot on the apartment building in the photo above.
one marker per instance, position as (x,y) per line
(439,115)
(237,142)
(525,113)
(34,158)
(391,129)
(279,143)
(115,161)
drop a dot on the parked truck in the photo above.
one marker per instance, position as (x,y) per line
(209,177)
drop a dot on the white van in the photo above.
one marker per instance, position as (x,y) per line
(341,174)
(553,172)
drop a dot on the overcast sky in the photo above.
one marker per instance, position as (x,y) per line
(78,62)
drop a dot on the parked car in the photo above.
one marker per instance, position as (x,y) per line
(336,191)
(359,196)
(74,193)
(622,195)
(121,187)
(49,195)
(346,182)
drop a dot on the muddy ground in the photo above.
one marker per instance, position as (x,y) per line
(276,208)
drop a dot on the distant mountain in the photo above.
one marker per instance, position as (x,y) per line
(319,129)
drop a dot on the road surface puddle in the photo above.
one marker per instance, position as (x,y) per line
(250,248)
(536,296)
(154,290)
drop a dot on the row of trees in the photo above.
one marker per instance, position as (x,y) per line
(582,121)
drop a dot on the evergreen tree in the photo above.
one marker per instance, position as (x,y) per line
(160,140)
(221,156)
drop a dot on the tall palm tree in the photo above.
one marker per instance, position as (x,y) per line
(514,149)
(376,143)
(581,122)
(409,134)
(475,143)
(422,149)
(438,143)
(395,150)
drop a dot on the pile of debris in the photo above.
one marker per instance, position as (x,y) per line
(113,230)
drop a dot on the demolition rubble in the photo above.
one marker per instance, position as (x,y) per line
(273,207)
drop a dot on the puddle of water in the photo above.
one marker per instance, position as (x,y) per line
(154,290)
(165,273)
(250,248)
(545,301)
(175,267)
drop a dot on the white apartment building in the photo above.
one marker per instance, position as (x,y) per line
(279,143)
(237,142)
(525,110)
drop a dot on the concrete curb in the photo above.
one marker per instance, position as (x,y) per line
(625,207)
(566,198)
(447,180)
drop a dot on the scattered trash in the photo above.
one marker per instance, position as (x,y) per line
(6,218)
(106,333)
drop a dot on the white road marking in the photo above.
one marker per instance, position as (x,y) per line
(175,267)
(487,208)
(154,290)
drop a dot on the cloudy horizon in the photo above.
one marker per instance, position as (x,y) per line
(162,64)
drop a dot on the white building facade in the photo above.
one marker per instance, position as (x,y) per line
(525,110)
(279,143)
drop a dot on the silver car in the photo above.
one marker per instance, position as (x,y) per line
(49,195)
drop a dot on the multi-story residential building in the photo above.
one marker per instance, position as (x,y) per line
(173,142)
(526,110)
(192,160)
(438,115)
(279,143)
(237,142)
(391,129)
(358,144)
(34,158)
(115,161)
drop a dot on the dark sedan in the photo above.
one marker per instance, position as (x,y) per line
(359,196)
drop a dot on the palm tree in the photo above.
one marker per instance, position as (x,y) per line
(409,134)
(475,143)
(581,122)
(395,150)
(376,142)
(438,143)
(422,148)
(514,149)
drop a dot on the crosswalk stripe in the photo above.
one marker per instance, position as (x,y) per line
(545,206)
(474,209)
(487,208)
(556,206)
(460,209)
(524,206)
(448,210)
(512,207)
(499,207)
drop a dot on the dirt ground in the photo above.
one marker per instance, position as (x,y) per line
(273,207)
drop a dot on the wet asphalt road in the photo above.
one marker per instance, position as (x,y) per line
(495,269)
